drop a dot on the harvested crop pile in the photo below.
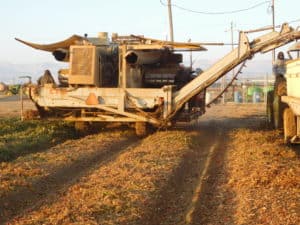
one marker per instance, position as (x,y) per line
(264,174)
(117,192)
(221,170)
(256,182)
(31,177)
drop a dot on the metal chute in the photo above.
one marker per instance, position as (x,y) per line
(55,46)
(185,46)
(295,47)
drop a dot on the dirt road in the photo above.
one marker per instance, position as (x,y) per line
(11,105)
(225,168)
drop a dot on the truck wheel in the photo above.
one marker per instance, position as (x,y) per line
(278,108)
(280,86)
(141,129)
(289,125)
(278,105)
(270,115)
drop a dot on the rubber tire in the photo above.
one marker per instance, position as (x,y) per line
(270,114)
(30,114)
(42,112)
(81,127)
(280,86)
(289,125)
(278,109)
(141,129)
(278,105)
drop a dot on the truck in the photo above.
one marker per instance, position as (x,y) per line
(283,103)
(135,80)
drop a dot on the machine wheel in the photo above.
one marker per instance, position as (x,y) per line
(42,112)
(289,125)
(141,129)
(30,114)
(270,115)
(81,127)
(278,108)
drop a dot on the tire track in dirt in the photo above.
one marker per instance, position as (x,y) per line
(26,199)
(200,185)
(188,196)
(205,203)
(176,202)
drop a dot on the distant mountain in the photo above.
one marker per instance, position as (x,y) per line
(10,72)
(253,68)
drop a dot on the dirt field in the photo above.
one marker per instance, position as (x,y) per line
(225,168)
(11,106)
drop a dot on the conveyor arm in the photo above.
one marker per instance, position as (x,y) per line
(244,51)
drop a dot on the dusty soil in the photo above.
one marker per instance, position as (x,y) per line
(11,106)
(225,168)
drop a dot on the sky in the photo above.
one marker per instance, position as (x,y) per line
(48,21)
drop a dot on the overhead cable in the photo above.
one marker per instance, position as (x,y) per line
(216,13)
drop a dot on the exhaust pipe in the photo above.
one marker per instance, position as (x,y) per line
(61,55)
(143,57)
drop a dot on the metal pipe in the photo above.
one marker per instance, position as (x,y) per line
(22,103)
(61,55)
(258,30)
(212,43)
(21,96)
(143,57)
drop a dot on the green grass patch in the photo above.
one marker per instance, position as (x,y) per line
(22,137)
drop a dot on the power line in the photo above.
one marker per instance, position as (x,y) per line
(216,13)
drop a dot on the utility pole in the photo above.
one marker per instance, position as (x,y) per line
(170,20)
(223,78)
(232,44)
(232,47)
(191,56)
(273,25)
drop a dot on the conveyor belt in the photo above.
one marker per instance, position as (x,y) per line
(244,51)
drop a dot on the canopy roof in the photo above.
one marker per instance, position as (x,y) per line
(136,42)
(58,45)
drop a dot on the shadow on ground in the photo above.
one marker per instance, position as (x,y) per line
(20,201)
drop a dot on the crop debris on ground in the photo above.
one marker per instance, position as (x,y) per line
(166,178)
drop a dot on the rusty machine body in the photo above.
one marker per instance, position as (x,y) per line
(127,79)
(134,79)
